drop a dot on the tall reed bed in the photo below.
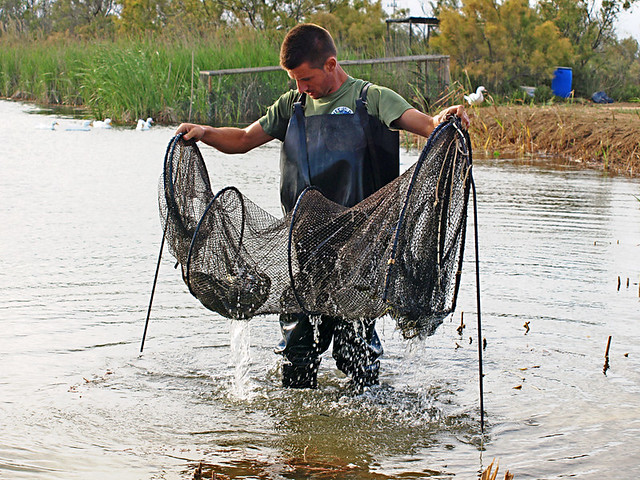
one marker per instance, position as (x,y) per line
(129,79)
(126,79)
(42,72)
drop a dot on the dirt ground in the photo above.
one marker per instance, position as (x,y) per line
(606,137)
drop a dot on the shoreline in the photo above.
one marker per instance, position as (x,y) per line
(601,137)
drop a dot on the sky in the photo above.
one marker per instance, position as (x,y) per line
(628,22)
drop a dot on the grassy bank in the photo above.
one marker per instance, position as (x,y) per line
(606,137)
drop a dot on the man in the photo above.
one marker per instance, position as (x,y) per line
(336,134)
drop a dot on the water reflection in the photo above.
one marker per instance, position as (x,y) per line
(79,244)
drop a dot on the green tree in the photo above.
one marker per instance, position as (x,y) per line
(259,14)
(14,15)
(357,25)
(84,17)
(185,18)
(24,16)
(583,22)
(616,71)
(354,21)
(501,45)
(269,14)
(140,16)
(589,25)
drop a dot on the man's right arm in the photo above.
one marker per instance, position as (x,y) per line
(227,139)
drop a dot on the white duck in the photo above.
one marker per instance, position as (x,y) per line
(84,127)
(144,125)
(47,126)
(106,123)
(476,98)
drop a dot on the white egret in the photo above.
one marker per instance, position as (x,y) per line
(476,98)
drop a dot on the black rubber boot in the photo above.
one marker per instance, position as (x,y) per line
(300,376)
(356,349)
(366,376)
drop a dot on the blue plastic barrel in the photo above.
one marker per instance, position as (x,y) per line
(561,83)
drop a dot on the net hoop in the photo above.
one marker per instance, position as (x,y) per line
(294,217)
(196,233)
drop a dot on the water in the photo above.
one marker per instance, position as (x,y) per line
(79,243)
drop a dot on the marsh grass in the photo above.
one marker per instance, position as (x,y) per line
(133,82)
(126,79)
(38,72)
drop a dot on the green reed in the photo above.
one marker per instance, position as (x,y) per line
(130,79)
(126,79)
(38,72)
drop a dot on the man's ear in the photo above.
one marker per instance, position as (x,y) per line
(330,64)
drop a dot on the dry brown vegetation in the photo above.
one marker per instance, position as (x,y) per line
(488,474)
(606,137)
(304,467)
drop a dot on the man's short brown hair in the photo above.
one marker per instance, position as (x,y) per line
(306,43)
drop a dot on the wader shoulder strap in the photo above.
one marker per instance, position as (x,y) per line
(303,159)
(374,161)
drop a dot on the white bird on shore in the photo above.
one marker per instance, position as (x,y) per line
(144,125)
(106,123)
(476,98)
(85,127)
(47,126)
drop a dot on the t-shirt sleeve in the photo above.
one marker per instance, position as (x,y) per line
(385,104)
(276,120)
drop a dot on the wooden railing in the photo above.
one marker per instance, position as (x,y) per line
(438,62)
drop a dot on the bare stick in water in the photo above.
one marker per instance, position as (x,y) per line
(461,327)
(606,357)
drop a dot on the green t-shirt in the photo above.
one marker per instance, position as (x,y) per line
(383,103)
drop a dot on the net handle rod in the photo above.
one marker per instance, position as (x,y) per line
(480,373)
(155,282)
(170,149)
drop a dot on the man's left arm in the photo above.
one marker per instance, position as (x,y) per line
(415,121)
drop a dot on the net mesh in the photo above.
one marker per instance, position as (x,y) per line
(398,252)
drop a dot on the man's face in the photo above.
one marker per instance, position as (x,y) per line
(315,82)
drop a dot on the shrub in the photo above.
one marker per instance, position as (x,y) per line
(543,94)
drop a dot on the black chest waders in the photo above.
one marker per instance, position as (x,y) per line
(346,156)
(337,154)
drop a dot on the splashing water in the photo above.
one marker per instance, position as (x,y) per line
(240,357)
(315,323)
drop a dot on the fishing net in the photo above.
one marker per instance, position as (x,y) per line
(398,252)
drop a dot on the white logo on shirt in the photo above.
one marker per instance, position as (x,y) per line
(342,111)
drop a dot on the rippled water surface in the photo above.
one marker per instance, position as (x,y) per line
(79,242)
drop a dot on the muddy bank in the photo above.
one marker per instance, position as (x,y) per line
(606,137)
